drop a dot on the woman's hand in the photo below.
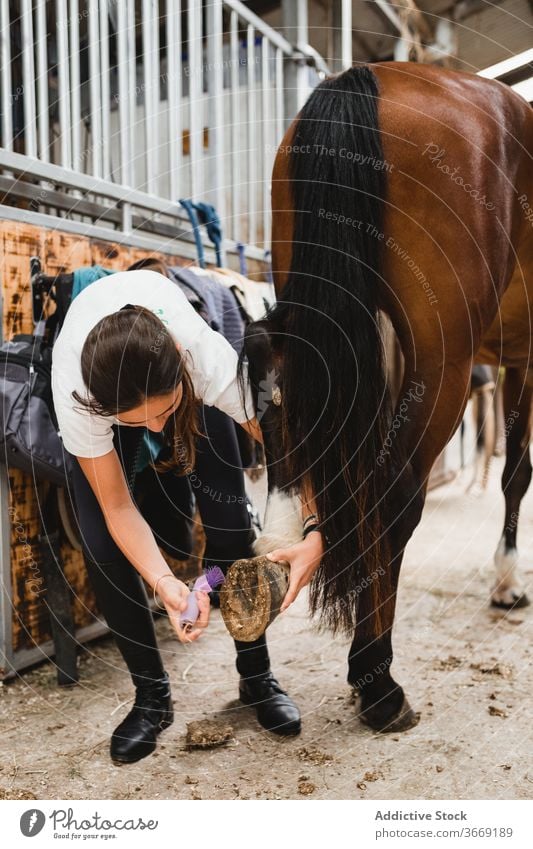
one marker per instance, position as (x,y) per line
(174,595)
(304,559)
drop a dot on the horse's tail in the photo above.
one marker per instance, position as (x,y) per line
(335,408)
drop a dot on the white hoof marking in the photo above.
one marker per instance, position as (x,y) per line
(507,588)
(283,524)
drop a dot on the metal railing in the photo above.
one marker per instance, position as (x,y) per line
(112,110)
(516,71)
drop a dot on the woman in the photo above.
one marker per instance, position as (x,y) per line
(134,354)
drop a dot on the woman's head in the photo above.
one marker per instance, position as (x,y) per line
(134,371)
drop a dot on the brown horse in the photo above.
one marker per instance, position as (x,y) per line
(404,190)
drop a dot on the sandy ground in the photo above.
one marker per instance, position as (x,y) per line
(467,669)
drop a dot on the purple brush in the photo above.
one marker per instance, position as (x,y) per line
(206,583)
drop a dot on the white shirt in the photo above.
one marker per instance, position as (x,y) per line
(210,359)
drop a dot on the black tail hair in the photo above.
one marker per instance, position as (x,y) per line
(336,406)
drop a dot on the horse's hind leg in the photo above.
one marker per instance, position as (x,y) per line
(435,404)
(507,591)
(382,703)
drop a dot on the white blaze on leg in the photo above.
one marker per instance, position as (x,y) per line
(283,524)
(507,589)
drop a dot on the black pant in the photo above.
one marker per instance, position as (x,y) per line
(218,486)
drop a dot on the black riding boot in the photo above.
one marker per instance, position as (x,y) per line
(152,712)
(258,688)
(121,597)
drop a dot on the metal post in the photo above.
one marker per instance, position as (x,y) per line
(280,124)
(341,24)
(122,38)
(5,76)
(174,96)
(6,604)
(251,135)
(95,91)
(215,88)
(235,128)
(28,79)
(63,83)
(150,20)
(196,97)
(131,83)
(295,27)
(266,154)
(126,153)
(347,38)
(106,91)
(77,159)
(42,81)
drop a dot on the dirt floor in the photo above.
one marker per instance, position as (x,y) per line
(465,667)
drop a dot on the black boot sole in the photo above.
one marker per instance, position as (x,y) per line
(286,729)
(120,760)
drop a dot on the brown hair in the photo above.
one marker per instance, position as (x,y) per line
(130,356)
(151,262)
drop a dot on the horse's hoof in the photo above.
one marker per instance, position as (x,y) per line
(518,601)
(403,720)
